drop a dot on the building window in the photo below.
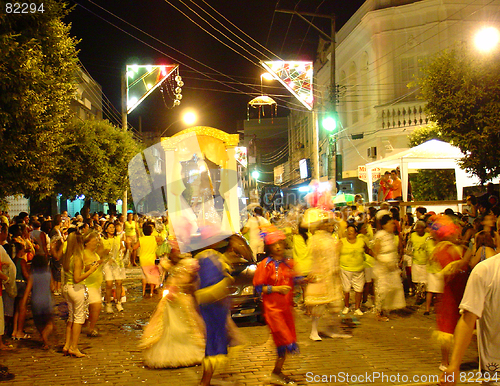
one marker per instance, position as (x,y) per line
(409,69)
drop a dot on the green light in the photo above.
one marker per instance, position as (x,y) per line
(255,174)
(330,124)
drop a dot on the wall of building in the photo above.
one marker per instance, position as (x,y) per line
(379,51)
(88,101)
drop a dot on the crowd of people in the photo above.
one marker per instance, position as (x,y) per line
(311,258)
(71,257)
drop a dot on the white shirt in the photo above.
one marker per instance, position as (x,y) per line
(254,224)
(482,298)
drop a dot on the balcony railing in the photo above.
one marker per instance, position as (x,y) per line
(402,115)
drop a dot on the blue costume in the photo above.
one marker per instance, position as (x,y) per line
(214,304)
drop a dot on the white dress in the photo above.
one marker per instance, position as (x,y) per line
(174,336)
(389,293)
(326,289)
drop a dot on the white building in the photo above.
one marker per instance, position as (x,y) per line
(378,53)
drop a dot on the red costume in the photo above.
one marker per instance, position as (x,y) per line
(447,311)
(278,308)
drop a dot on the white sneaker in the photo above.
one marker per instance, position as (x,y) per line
(443,367)
(315,337)
(109,308)
(358,312)
(119,306)
(345,311)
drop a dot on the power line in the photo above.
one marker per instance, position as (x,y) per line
(243,32)
(289,105)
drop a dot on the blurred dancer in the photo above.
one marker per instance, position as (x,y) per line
(274,279)
(324,290)
(174,336)
(214,278)
(389,293)
(454,271)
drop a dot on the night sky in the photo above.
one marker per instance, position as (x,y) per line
(220,100)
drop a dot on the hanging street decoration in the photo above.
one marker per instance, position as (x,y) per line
(142,80)
(296,76)
(172,89)
(260,102)
(241,155)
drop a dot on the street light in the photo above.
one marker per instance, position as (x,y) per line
(487,39)
(330,124)
(267,76)
(188,118)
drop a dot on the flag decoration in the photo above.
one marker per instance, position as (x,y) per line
(296,76)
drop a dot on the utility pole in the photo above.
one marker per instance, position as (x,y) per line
(124,127)
(331,104)
(332,140)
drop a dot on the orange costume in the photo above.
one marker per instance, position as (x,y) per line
(278,308)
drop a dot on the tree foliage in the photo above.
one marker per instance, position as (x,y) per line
(462,88)
(38,63)
(431,184)
(96,160)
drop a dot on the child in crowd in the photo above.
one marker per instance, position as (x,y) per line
(274,279)
(41,297)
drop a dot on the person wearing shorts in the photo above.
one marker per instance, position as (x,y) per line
(74,292)
(131,232)
(94,281)
(352,267)
(435,284)
(114,267)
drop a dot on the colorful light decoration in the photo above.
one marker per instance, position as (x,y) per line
(296,76)
(142,80)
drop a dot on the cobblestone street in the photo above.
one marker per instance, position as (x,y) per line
(396,352)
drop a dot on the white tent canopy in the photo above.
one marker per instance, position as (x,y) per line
(433,154)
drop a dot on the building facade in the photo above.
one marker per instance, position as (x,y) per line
(87,103)
(379,53)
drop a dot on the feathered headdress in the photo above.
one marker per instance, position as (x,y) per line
(444,227)
(271,234)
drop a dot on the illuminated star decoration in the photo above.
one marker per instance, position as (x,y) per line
(142,80)
(296,76)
